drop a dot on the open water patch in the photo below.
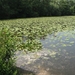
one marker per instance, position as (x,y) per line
(56,58)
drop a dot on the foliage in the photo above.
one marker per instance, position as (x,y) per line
(28,32)
(25,34)
(7,49)
(35,8)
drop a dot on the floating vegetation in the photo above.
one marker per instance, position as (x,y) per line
(29,31)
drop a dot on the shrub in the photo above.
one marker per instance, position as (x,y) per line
(7,49)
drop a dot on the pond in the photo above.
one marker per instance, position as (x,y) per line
(64,44)
(56,58)
(60,41)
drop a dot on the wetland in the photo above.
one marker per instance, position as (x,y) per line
(48,44)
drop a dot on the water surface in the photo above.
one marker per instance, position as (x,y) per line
(63,43)
(56,58)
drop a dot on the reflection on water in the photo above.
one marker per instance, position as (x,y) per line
(56,58)
(63,43)
(62,40)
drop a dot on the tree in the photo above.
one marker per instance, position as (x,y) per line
(35,8)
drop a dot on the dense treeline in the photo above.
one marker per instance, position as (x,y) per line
(35,8)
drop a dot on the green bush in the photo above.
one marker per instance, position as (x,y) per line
(9,43)
(7,49)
